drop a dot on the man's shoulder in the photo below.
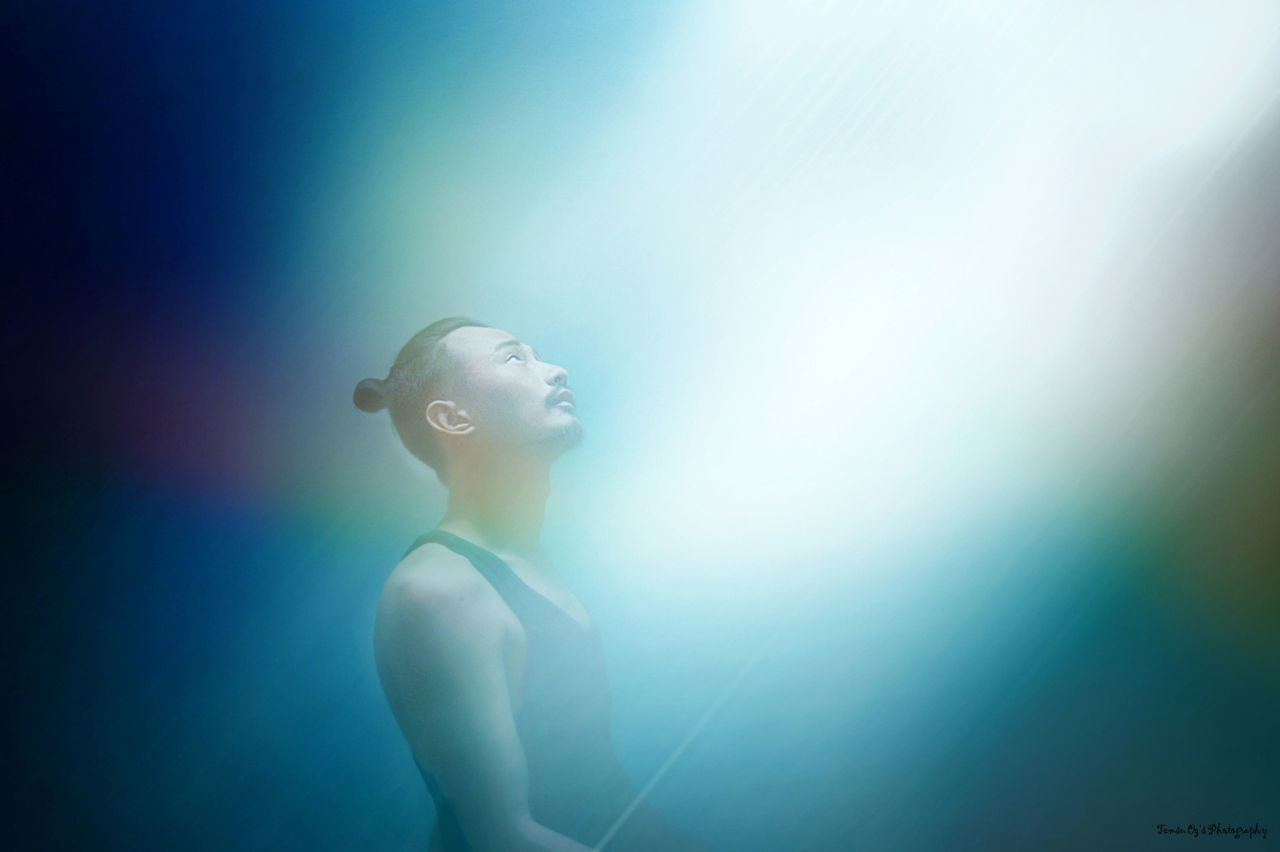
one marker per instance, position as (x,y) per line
(435,588)
(432,571)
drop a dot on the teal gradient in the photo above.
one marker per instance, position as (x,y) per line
(926,353)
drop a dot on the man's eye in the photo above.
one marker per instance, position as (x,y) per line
(513,355)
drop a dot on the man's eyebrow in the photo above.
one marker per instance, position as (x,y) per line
(507,344)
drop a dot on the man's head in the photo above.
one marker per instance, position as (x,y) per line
(460,390)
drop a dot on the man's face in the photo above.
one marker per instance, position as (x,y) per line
(514,398)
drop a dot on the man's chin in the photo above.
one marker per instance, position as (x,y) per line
(553,442)
(569,436)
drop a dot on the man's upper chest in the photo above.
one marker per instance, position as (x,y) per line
(543,581)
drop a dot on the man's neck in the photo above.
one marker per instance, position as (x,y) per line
(500,506)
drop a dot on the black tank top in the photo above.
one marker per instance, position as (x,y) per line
(576,786)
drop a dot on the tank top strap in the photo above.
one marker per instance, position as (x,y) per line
(492,567)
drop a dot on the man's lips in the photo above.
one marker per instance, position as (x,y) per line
(563,396)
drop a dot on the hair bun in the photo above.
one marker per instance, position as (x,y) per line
(371,395)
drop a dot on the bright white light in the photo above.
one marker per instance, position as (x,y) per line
(905,292)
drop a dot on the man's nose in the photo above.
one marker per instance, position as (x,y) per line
(558,375)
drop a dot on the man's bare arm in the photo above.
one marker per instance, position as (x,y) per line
(439,642)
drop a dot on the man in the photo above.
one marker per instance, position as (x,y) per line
(492,667)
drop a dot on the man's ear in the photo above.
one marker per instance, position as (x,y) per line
(446,416)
